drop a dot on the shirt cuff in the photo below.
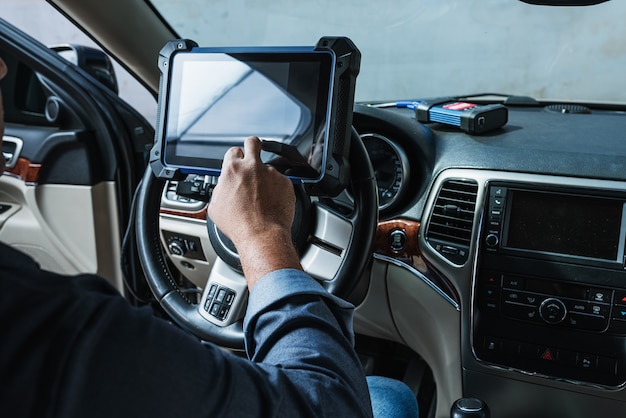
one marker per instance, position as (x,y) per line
(280,285)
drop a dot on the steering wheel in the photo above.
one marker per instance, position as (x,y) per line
(335,251)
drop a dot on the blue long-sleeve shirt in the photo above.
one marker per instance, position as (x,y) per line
(73,347)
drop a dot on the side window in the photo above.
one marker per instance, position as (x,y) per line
(29,95)
(48,26)
(22,93)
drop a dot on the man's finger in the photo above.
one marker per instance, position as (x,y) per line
(252,148)
(232,154)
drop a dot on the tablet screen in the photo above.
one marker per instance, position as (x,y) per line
(218,98)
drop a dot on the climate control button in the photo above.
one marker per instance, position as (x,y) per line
(552,311)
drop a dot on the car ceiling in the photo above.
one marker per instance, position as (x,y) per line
(129,30)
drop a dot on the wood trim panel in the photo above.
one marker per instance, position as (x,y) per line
(410,254)
(382,243)
(201,214)
(27,171)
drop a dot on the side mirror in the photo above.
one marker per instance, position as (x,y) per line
(92,60)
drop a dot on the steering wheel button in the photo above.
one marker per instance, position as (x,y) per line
(212,291)
(230,297)
(215,309)
(223,311)
(221,294)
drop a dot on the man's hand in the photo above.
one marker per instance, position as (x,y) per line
(253,204)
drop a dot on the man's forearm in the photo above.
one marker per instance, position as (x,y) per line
(267,253)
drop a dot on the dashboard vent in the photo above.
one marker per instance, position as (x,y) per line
(450,227)
(568,108)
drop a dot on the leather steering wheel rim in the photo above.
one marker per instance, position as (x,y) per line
(363,219)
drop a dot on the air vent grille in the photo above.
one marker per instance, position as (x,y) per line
(450,227)
(568,108)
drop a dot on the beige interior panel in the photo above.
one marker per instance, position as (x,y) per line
(67,229)
(431,326)
(373,316)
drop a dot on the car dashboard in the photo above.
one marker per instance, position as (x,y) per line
(499,258)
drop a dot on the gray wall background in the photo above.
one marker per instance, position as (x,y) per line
(486,34)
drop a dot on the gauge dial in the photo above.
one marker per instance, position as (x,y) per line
(390,167)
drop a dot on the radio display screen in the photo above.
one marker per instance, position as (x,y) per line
(572,225)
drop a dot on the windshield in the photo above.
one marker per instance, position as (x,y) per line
(428,48)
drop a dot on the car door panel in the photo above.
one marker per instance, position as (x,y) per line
(74,147)
(63,227)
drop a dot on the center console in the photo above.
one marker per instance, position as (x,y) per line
(549,297)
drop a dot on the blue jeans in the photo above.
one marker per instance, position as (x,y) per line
(391,398)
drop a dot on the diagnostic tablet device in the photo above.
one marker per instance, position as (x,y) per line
(297,100)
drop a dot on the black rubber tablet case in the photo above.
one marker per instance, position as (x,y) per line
(337,170)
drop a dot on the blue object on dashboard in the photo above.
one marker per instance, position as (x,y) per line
(469,117)
(408,104)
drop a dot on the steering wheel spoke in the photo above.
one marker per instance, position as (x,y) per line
(328,242)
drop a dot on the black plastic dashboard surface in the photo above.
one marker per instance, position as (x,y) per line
(538,141)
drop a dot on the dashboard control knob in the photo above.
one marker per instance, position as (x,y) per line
(177,248)
(492,240)
(552,311)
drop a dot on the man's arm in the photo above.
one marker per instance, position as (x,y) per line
(253,204)
(294,329)
(304,342)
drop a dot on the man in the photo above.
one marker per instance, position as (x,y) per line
(73,347)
